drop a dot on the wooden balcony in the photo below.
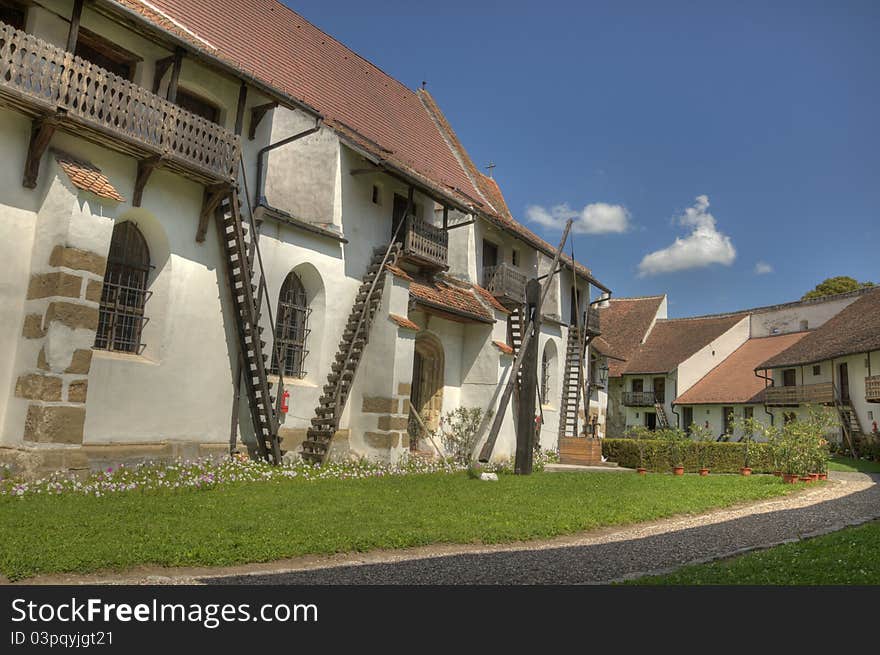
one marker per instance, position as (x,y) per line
(591,322)
(639,398)
(872,389)
(505,283)
(425,244)
(814,394)
(47,82)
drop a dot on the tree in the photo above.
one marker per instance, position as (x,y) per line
(832,285)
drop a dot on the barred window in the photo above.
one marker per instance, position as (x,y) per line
(545,377)
(291,328)
(121,317)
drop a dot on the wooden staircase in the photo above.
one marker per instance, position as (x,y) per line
(348,357)
(662,419)
(849,421)
(241,253)
(572,383)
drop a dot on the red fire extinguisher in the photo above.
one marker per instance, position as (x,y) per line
(284,398)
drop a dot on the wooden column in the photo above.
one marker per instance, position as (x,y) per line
(525,433)
(239,112)
(175,75)
(73,32)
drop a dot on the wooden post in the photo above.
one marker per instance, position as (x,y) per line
(525,434)
(175,75)
(73,32)
(239,113)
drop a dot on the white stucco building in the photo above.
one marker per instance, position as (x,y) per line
(129,328)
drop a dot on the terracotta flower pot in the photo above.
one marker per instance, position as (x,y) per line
(778,474)
(789,478)
(704,472)
(642,471)
(745,470)
(823,476)
(814,476)
(678,470)
(806,478)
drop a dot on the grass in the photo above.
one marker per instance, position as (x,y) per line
(264,521)
(849,464)
(847,557)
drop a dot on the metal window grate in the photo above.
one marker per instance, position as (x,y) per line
(121,313)
(545,377)
(291,328)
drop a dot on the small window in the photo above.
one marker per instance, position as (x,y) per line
(774,330)
(514,257)
(197,105)
(638,385)
(375,195)
(817,369)
(545,377)
(106,54)
(805,325)
(12,13)
(789,377)
(121,313)
(291,328)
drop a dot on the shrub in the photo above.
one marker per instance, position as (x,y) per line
(460,431)
(721,457)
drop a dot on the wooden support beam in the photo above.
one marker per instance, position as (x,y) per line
(257,114)
(73,31)
(175,75)
(162,66)
(445,217)
(465,224)
(525,433)
(145,170)
(213,197)
(42,130)
(239,111)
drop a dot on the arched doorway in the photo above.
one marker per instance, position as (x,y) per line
(426,394)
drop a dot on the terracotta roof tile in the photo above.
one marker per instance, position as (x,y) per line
(624,324)
(854,330)
(492,300)
(404,322)
(672,341)
(274,44)
(503,347)
(451,298)
(399,272)
(734,379)
(601,346)
(87,176)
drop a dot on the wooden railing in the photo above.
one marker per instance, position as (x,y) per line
(822,393)
(425,242)
(639,398)
(504,281)
(47,78)
(872,389)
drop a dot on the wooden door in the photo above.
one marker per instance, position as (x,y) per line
(687,417)
(660,390)
(843,371)
(651,420)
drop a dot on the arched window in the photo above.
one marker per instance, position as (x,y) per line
(548,388)
(121,316)
(291,328)
(545,377)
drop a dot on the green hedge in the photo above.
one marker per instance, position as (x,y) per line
(723,457)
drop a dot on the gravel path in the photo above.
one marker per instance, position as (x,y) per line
(610,555)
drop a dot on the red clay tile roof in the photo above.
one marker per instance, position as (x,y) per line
(734,379)
(86,176)
(854,330)
(503,347)
(624,324)
(601,346)
(399,272)
(672,341)
(268,40)
(450,298)
(404,322)
(492,300)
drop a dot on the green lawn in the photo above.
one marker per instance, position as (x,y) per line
(848,557)
(259,522)
(839,463)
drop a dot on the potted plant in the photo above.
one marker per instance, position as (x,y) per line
(676,445)
(703,438)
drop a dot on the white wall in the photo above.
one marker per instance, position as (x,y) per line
(788,318)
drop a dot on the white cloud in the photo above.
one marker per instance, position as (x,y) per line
(763,268)
(704,246)
(595,218)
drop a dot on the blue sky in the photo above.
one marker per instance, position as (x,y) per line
(747,131)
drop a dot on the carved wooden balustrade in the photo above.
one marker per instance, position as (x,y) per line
(425,243)
(505,282)
(818,394)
